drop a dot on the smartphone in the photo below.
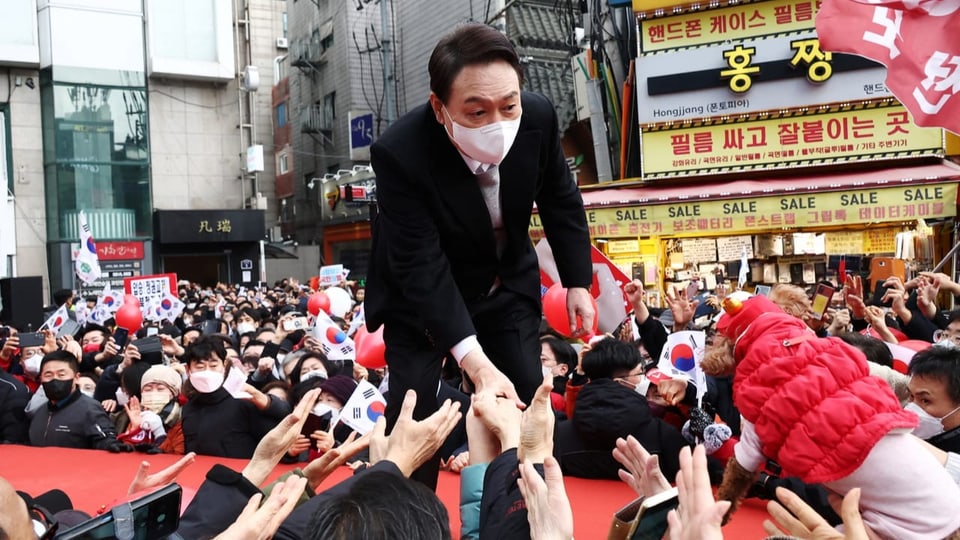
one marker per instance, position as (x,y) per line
(762,290)
(120,337)
(821,300)
(210,326)
(156,515)
(340,367)
(152,331)
(296,323)
(31,339)
(69,328)
(151,351)
(651,522)
(879,293)
(315,423)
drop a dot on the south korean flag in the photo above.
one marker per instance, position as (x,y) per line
(334,341)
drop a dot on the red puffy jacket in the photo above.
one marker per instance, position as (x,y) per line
(815,407)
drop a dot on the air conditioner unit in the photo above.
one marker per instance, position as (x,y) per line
(282,43)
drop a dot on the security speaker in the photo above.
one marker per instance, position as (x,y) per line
(22,301)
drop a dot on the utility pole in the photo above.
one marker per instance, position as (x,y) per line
(389,82)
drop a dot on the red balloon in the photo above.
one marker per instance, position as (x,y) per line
(555,310)
(317,302)
(371,350)
(129,317)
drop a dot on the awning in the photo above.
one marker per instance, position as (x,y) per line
(277,251)
(748,206)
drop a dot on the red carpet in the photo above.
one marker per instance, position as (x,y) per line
(93,478)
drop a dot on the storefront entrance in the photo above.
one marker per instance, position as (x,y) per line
(207,270)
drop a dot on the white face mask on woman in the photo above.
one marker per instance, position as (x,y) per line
(929,426)
(487,144)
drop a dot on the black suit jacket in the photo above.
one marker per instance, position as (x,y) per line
(434,252)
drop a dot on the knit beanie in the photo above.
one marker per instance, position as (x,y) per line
(164,375)
(340,387)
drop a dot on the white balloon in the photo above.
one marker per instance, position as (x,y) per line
(340,301)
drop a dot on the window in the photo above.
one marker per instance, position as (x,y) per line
(326,42)
(281,115)
(283,163)
(329,110)
(285,27)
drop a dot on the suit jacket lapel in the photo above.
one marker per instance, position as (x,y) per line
(518,179)
(459,190)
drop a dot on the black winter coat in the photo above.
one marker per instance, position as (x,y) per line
(607,410)
(217,424)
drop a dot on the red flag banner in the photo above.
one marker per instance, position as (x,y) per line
(917,40)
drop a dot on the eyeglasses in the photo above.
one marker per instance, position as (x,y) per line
(941,335)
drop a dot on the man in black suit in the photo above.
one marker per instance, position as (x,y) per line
(453,269)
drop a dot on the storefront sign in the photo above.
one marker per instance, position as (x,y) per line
(148,288)
(730,23)
(617,247)
(740,216)
(879,241)
(844,243)
(113,274)
(203,226)
(699,250)
(861,134)
(734,78)
(734,248)
(113,251)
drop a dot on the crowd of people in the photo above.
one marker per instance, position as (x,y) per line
(603,411)
(813,411)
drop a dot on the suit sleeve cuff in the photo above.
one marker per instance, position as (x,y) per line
(464,347)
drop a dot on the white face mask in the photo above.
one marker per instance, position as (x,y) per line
(88,393)
(32,365)
(245,328)
(122,397)
(547,371)
(929,426)
(487,144)
(206,381)
(314,373)
(321,409)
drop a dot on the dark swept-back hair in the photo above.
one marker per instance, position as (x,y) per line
(941,363)
(468,44)
(609,358)
(382,506)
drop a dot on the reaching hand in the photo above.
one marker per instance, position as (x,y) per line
(133,411)
(643,470)
(808,524)
(672,390)
(487,378)
(536,426)
(927,292)
(319,469)
(635,295)
(853,296)
(699,516)
(261,522)
(498,417)
(581,312)
(548,508)
(278,440)
(456,463)
(412,443)
(681,307)
(143,480)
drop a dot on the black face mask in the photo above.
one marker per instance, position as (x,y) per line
(57,389)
